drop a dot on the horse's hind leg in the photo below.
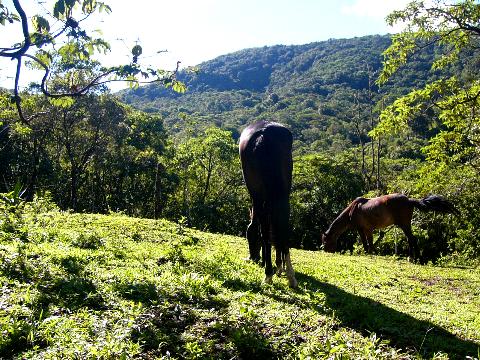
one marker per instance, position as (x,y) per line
(268,263)
(253,238)
(266,248)
(413,251)
(292,281)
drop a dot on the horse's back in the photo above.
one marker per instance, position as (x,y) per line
(266,156)
(386,210)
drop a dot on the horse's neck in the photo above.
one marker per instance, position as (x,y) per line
(341,224)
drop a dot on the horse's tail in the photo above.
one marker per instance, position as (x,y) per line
(435,203)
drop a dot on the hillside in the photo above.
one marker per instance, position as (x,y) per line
(111,286)
(317,89)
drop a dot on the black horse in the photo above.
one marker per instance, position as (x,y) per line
(266,156)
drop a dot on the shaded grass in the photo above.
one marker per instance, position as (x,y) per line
(369,316)
(95,286)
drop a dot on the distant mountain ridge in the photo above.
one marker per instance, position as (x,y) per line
(313,88)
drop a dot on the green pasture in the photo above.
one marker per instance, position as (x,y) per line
(114,287)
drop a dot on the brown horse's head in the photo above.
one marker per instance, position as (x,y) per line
(329,242)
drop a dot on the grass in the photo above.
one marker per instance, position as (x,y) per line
(113,287)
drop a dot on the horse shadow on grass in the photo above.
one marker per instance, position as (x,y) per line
(366,316)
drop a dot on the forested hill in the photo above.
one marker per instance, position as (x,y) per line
(317,89)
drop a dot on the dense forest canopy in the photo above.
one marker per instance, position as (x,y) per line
(320,90)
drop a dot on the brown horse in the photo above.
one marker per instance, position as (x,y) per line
(266,157)
(366,215)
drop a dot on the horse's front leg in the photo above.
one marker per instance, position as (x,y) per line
(254,241)
(267,247)
(371,248)
(367,240)
(279,262)
(364,240)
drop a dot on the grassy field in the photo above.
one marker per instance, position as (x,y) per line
(113,287)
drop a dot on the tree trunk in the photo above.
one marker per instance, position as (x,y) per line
(74,188)
(378,163)
(157,196)
(207,181)
(32,183)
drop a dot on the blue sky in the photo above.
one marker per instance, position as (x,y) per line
(194,31)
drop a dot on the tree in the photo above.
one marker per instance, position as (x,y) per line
(95,155)
(455,97)
(81,130)
(22,147)
(210,192)
(67,49)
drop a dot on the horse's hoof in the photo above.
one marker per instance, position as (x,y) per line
(268,280)
(255,260)
(293,283)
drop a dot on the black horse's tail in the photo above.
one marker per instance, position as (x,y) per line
(435,203)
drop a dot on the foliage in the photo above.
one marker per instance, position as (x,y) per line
(55,43)
(157,289)
(183,164)
(315,89)
(90,155)
(449,103)
(455,98)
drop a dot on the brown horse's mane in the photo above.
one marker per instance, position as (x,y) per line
(345,217)
(354,204)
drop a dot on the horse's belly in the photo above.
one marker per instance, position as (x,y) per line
(382,222)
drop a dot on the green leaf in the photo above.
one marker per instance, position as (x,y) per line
(40,24)
(89,6)
(137,50)
(104,7)
(63,102)
(179,87)
(59,9)
(70,3)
